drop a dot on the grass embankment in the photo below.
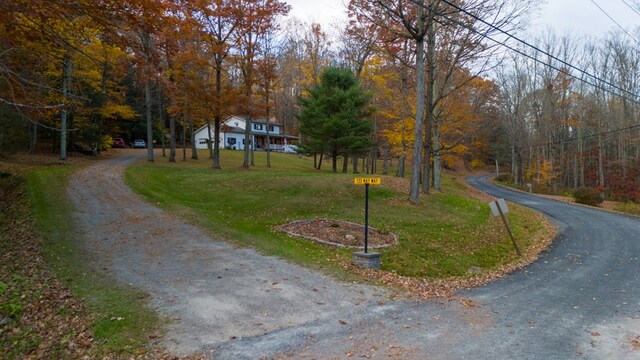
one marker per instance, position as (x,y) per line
(627,208)
(631,208)
(71,311)
(449,235)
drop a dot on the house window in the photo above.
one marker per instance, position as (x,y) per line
(231,141)
(271,128)
(257,126)
(202,141)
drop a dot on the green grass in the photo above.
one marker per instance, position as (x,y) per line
(105,298)
(628,207)
(443,237)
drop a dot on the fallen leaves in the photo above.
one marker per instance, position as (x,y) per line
(337,233)
(635,343)
(445,288)
(49,322)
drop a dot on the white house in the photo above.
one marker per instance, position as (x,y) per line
(232,135)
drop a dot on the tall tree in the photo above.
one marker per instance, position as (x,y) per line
(335,114)
(259,17)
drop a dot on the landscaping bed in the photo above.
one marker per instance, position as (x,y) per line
(338,233)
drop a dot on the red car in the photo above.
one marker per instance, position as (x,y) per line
(118,143)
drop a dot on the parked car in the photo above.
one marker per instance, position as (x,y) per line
(118,143)
(139,144)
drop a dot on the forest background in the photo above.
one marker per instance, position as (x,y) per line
(450,81)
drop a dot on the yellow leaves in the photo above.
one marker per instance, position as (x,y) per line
(399,135)
(542,172)
(113,111)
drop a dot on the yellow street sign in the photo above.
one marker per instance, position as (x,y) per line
(364,181)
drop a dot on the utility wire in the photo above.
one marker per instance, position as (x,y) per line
(615,22)
(631,7)
(621,92)
(527,44)
(587,136)
(503,43)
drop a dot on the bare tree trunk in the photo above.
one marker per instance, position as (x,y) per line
(210,140)
(146,42)
(600,164)
(217,117)
(66,82)
(400,171)
(354,161)
(268,113)
(172,135)
(414,194)
(192,134)
(437,165)
(34,140)
(385,162)
(247,143)
(161,122)
(345,164)
(184,145)
(147,92)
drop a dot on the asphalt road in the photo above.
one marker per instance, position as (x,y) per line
(580,300)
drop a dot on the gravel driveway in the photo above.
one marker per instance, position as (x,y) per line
(580,300)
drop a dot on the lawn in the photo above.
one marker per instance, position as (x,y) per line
(446,236)
(72,311)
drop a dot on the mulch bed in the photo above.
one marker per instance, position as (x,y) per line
(338,233)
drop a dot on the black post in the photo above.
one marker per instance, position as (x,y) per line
(366,218)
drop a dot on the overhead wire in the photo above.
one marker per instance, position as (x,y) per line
(564,71)
(587,136)
(615,22)
(537,49)
(592,79)
(631,7)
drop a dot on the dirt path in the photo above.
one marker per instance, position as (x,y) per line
(213,292)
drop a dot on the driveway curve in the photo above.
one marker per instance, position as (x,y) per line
(580,300)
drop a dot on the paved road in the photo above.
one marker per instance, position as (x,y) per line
(580,300)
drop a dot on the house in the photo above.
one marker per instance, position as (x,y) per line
(232,135)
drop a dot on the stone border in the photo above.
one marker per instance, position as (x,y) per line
(329,243)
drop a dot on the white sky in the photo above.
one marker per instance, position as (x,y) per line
(583,18)
(577,17)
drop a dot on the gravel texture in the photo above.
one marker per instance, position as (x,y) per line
(579,300)
(212,291)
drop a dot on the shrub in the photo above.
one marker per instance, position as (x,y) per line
(504,178)
(587,196)
(105,142)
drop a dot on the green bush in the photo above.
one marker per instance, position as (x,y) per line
(506,178)
(587,196)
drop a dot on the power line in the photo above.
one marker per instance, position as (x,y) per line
(614,21)
(527,44)
(587,136)
(564,71)
(630,7)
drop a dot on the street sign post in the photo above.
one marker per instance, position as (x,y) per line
(499,208)
(366,182)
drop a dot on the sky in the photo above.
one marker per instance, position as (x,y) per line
(577,17)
